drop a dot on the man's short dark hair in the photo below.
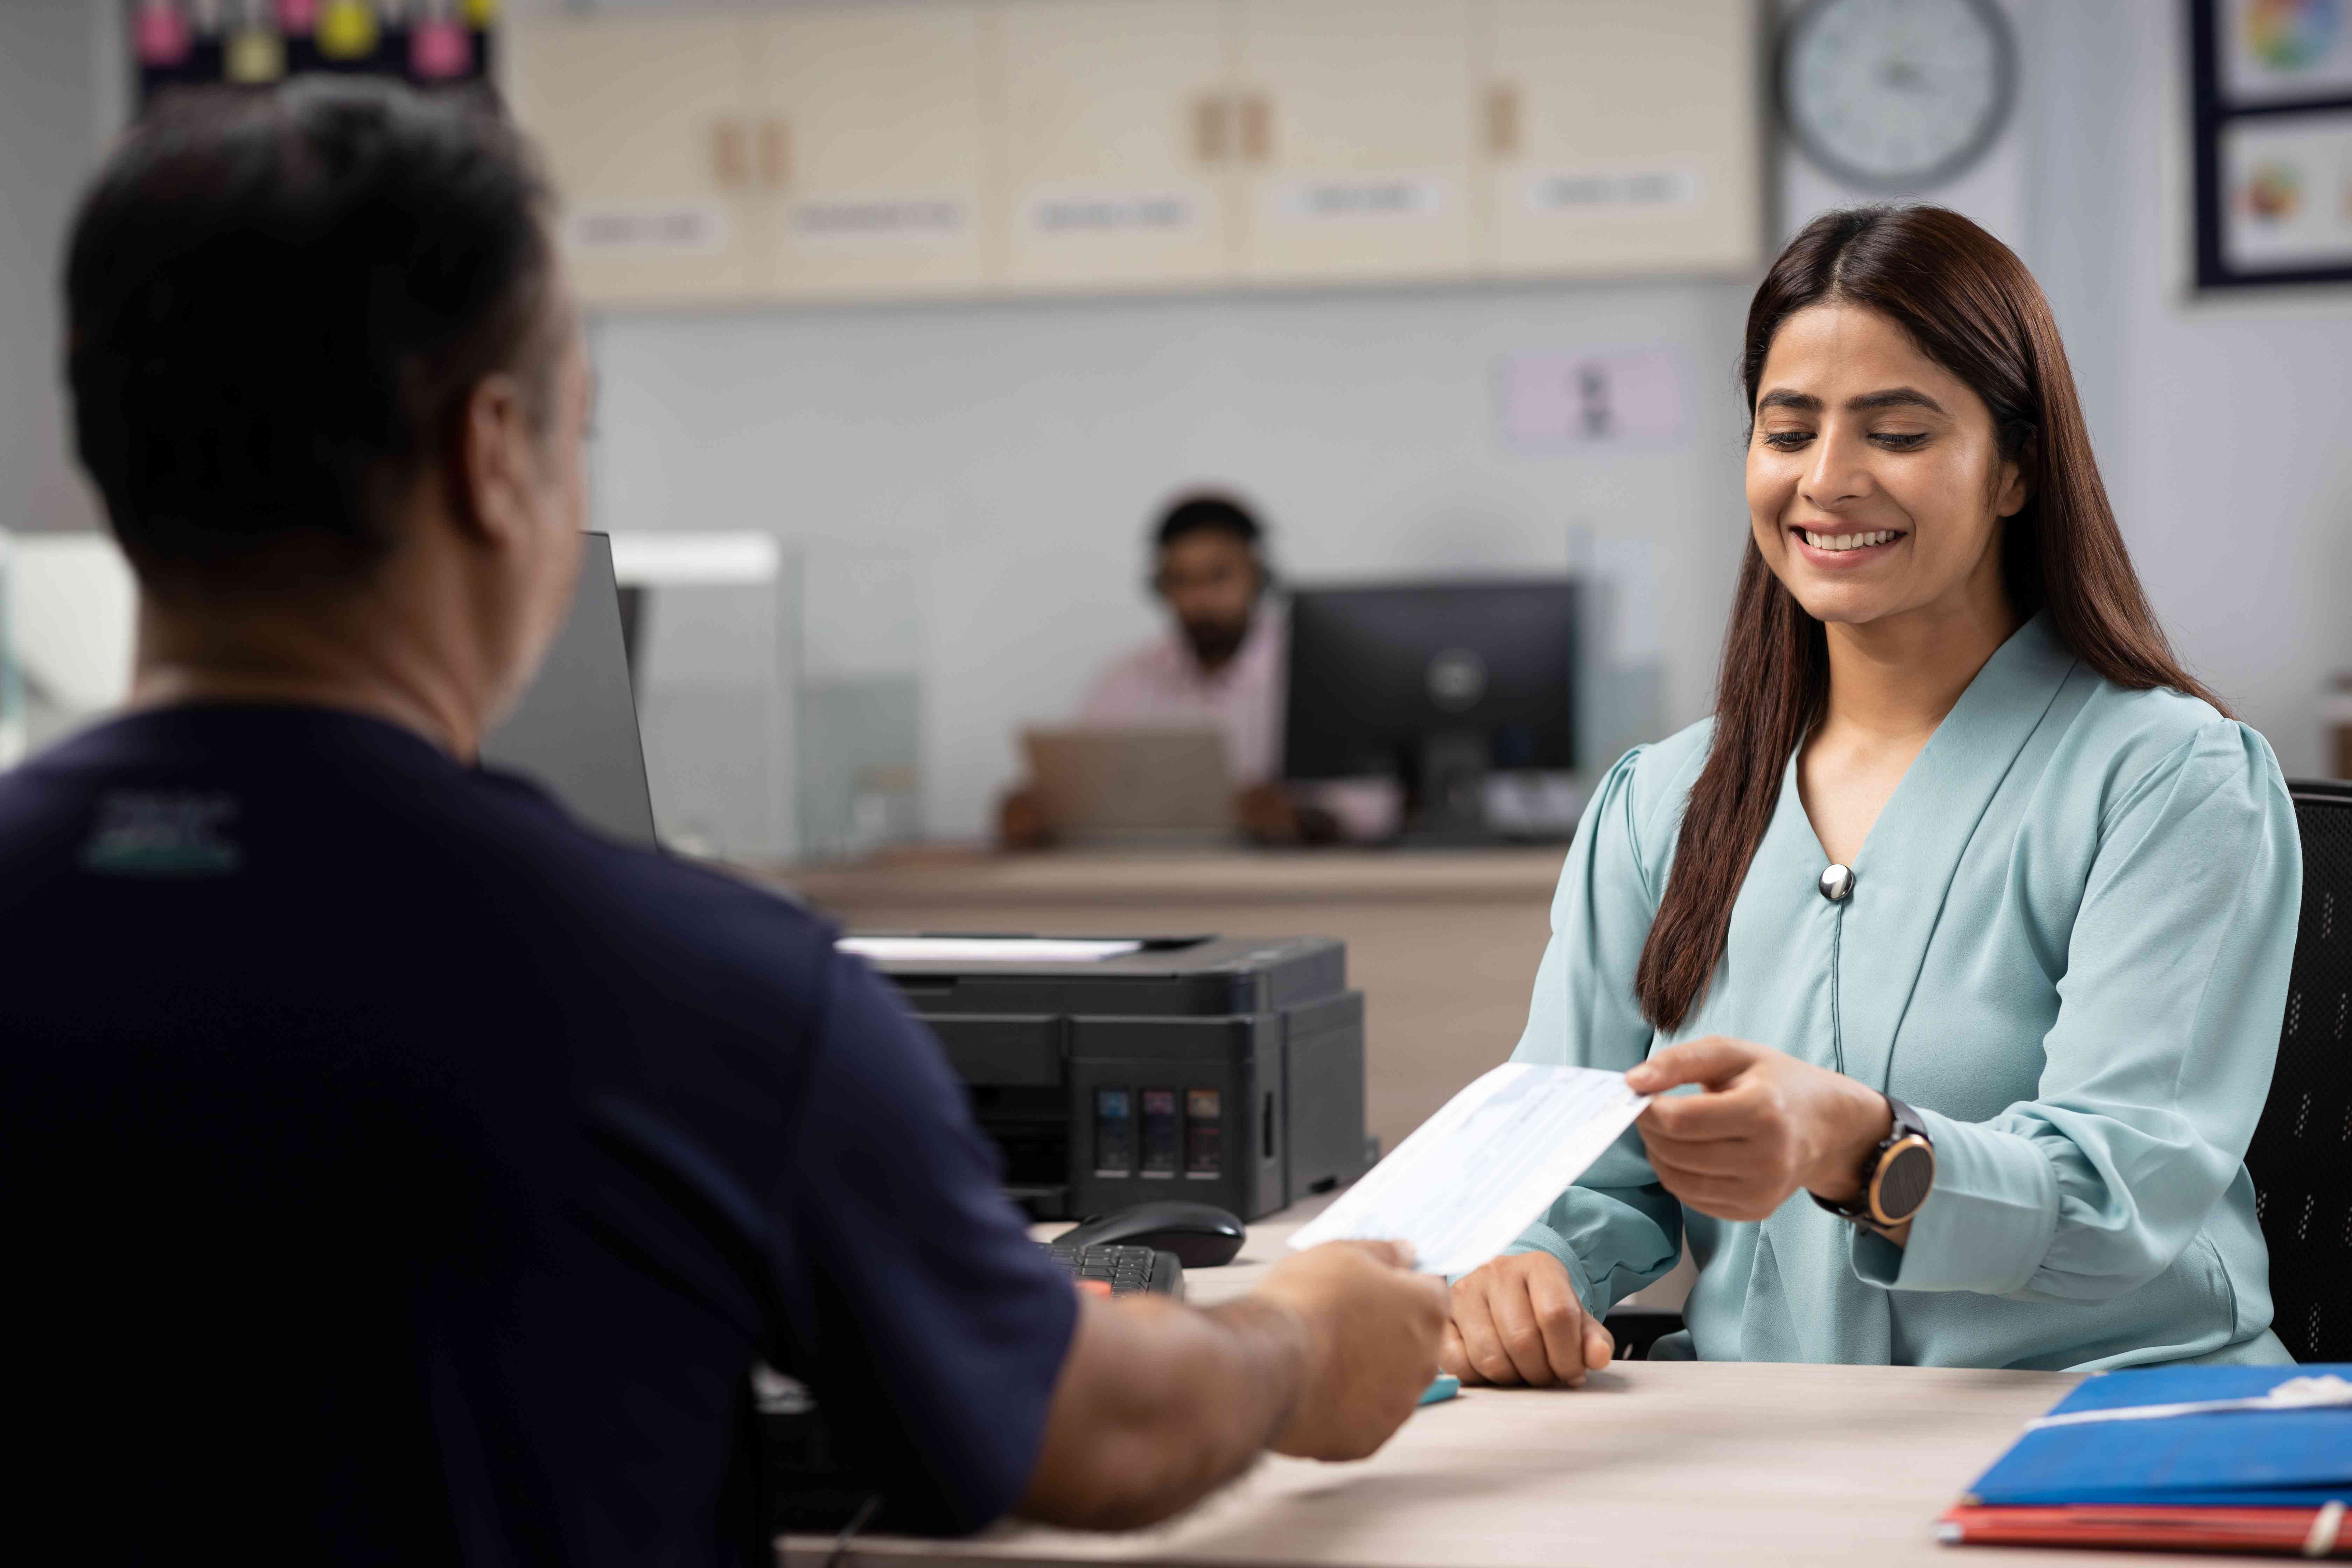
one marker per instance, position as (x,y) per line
(1207,513)
(277,306)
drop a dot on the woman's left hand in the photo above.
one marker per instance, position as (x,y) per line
(1767,1125)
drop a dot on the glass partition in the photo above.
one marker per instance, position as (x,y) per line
(858,735)
(708,629)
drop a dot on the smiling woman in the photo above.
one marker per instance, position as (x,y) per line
(1960,827)
(1904,371)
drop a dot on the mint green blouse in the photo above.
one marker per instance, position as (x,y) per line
(2067,946)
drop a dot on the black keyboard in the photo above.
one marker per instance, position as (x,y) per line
(1126,1269)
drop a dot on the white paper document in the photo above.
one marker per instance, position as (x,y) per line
(986,949)
(1469,1179)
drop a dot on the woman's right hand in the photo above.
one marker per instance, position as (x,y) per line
(1516,1319)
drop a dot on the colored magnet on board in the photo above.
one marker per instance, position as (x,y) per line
(160,34)
(440,46)
(298,16)
(254,55)
(347,29)
(1442,1387)
(478,13)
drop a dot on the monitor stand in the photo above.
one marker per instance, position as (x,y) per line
(1453,794)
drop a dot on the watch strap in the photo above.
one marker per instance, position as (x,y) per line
(1907,1122)
(1907,1129)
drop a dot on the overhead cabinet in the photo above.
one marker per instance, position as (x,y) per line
(898,147)
(1622,138)
(870,132)
(644,123)
(1354,139)
(1119,142)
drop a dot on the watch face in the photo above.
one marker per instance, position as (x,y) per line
(1904,1178)
(1897,95)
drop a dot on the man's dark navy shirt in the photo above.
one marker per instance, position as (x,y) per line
(397,1172)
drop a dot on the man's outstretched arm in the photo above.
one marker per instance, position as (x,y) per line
(1158,1404)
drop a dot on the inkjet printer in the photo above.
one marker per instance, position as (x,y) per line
(1111,1072)
(1228,1071)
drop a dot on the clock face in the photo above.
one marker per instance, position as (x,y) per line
(1896,95)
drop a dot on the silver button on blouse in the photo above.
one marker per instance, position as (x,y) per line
(1837,884)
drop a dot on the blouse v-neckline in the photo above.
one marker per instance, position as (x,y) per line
(1991,688)
(1904,868)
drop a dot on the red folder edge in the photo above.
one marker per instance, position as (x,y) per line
(2285,1532)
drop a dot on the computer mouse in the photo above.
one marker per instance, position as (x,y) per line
(1202,1235)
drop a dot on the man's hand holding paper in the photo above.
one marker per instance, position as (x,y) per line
(1466,1182)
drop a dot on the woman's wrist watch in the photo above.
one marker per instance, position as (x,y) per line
(1896,1177)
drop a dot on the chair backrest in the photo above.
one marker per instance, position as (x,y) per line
(2301,1159)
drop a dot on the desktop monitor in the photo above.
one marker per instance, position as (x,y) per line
(575,730)
(1436,684)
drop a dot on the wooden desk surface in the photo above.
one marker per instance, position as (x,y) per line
(1061,878)
(1650,1463)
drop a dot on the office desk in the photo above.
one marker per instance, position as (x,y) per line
(1650,1463)
(1663,1463)
(1443,944)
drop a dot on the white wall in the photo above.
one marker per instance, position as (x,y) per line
(49,139)
(2229,449)
(1019,451)
(2222,425)
(1020,448)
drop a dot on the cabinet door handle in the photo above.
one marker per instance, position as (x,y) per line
(1503,119)
(1257,128)
(728,156)
(1211,117)
(775,153)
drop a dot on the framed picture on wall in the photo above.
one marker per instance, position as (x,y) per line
(2273,122)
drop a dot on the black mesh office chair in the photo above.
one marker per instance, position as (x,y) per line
(2302,1154)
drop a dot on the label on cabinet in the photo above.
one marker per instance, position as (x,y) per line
(1080,215)
(1360,197)
(1610,191)
(646,231)
(882,219)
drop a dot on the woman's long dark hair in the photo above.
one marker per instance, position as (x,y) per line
(1969,304)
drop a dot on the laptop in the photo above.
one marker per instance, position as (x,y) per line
(1131,786)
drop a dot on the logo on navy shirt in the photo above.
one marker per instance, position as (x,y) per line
(150,833)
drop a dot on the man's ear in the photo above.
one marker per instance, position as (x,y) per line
(490,471)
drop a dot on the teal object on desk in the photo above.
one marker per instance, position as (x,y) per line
(1442,1387)
(2291,1456)
(2092,1205)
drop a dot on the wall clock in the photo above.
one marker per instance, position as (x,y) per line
(1897,95)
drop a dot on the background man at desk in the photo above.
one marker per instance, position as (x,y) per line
(1220,665)
(1219,661)
(395,1171)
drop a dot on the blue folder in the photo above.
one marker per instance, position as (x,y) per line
(2265,1459)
